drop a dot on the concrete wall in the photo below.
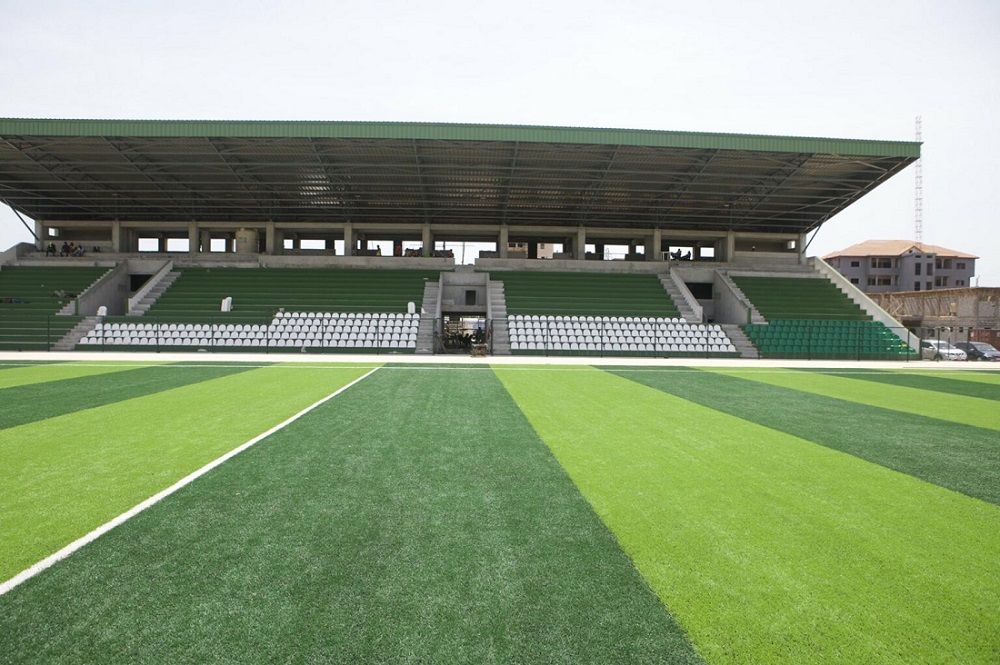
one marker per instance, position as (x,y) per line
(111,290)
(454,286)
(572,265)
(729,308)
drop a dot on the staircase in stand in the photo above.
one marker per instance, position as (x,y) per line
(498,318)
(428,308)
(679,300)
(69,341)
(154,294)
(743,345)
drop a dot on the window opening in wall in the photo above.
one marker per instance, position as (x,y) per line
(178,245)
(149,244)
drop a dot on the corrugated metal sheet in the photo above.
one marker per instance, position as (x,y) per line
(452,132)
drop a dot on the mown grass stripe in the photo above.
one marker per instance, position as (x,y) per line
(959,457)
(416,518)
(39,401)
(67,475)
(88,538)
(765,547)
(39,373)
(939,384)
(952,408)
(990,376)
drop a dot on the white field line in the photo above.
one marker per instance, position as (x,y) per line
(49,561)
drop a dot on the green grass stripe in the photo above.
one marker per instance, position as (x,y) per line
(67,475)
(953,408)
(960,457)
(940,384)
(767,548)
(416,518)
(39,401)
(991,376)
(21,376)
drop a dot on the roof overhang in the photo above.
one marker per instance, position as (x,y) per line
(392,173)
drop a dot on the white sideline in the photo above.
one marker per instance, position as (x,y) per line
(50,560)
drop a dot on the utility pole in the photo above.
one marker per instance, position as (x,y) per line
(918,192)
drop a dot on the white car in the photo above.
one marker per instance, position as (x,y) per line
(938,349)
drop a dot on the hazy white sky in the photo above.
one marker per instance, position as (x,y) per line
(848,69)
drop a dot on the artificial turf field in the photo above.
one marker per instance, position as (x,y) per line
(453,514)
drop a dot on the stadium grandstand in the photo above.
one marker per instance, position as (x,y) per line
(334,237)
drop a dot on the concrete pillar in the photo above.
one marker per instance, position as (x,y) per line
(270,239)
(117,237)
(205,241)
(503,241)
(428,240)
(730,249)
(657,250)
(348,239)
(41,236)
(247,241)
(193,238)
(580,249)
(800,247)
(599,250)
(532,249)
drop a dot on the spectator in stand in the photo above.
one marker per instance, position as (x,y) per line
(50,249)
(64,251)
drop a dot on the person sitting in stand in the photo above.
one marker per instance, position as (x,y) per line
(64,250)
(50,249)
(79,251)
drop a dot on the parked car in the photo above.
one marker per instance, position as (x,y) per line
(979,350)
(939,349)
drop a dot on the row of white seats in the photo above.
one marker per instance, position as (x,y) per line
(623,347)
(605,324)
(232,329)
(246,334)
(614,319)
(608,339)
(347,325)
(616,329)
(624,334)
(278,324)
(345,315)
(272,343)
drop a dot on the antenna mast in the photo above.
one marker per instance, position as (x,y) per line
(918,192)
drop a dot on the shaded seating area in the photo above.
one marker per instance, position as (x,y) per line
(614,335)
(799,298)
(810,318)
(30,299)
(586,294)
(602,314)
(317,331)
(258,294)
(322,309)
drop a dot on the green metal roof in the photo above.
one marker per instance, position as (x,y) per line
(453,132)
(381,173)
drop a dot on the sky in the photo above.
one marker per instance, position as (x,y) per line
(848,69)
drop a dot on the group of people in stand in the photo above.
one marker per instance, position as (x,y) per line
(68,249)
